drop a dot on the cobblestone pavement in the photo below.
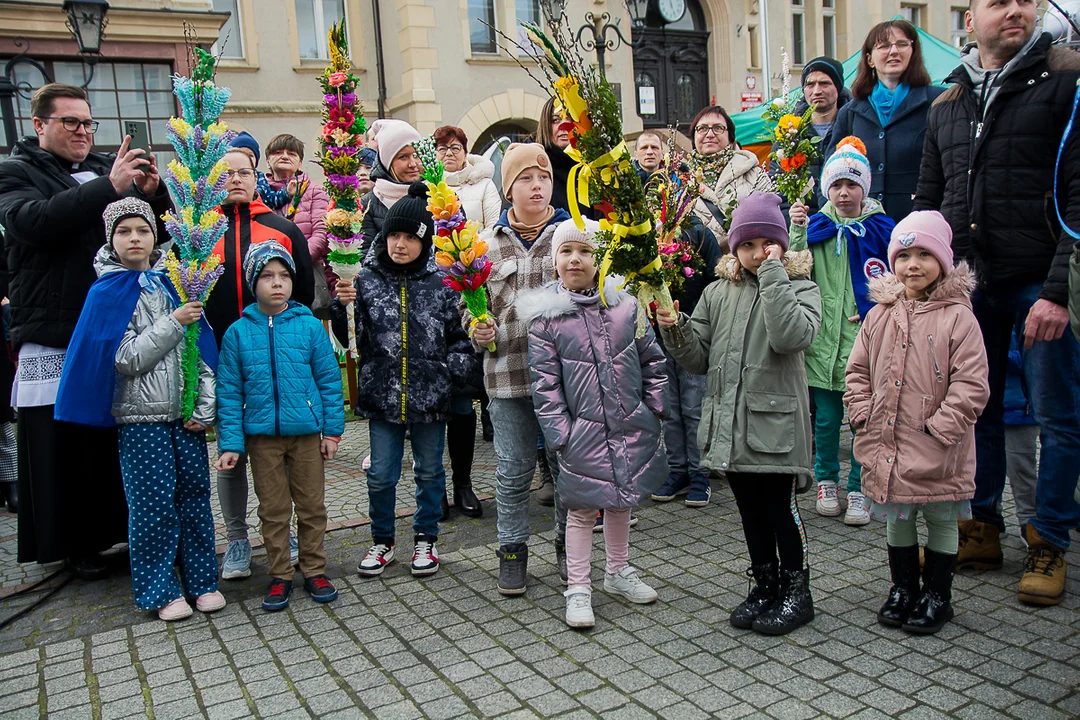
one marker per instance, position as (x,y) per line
(449,646)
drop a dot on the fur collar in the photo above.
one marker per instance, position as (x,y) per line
(797,264)
(477,168)
(551,302)
(956,286)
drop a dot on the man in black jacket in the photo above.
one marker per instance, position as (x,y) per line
(53,191)
(988,165)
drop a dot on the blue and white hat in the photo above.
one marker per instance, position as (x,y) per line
(261,253)
(847,163)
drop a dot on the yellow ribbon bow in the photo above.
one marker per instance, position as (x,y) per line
(577,182)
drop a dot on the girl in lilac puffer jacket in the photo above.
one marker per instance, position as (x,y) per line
(598,396)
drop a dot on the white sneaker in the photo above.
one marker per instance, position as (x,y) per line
(857,511)
(425,559)
(828,504)
(579,612)
(366,465)
(377,558)
(627,583)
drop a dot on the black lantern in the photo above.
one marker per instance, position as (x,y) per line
(87,21)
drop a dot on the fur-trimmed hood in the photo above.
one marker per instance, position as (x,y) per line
(477,168)
(797,264)
(553,300)
(956,286)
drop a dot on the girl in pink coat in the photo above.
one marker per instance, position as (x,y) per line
(917,381)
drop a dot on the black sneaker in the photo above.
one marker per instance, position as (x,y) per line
(599,526)
(560,559)
(320,588)
(513,564)
(277,598)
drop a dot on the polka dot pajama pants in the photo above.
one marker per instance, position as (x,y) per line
(167,481)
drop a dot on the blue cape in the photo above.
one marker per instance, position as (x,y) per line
(85,396)
(868,249)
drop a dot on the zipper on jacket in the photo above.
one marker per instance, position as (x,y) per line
(933,354)
(273,377)
(404,351)
(239,265)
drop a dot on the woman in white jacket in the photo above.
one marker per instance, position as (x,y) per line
(470,176)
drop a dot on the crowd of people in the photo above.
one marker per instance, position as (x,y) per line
(918,293)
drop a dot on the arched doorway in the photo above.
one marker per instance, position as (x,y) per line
(671,70)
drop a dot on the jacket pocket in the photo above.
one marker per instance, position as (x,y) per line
(921,455)
(314,416)
(770,422)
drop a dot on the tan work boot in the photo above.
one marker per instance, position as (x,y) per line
(980,546)
(1044,571)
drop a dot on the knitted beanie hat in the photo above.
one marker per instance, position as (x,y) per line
(567,231)
(829,66)
(392,136)
(261,253)
(125,208)
(518,158)
(244,140)
(758,216)
(847,163)
(410,215)
(925,230)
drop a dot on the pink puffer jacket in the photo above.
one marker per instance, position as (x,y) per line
(917,382)
(597,391)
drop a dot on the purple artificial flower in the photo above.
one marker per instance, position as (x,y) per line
(343,182)
(336,152)
(457,268)
(452,224)
(479,264)
(688,271)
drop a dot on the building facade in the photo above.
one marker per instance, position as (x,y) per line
(435,62)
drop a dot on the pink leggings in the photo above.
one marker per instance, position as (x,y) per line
(579,533)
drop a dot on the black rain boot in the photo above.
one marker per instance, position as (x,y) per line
(904,566)
(933,609)
(794,607)
(545,494)
(513,566)
(13,497)
(759,598)
(461,441)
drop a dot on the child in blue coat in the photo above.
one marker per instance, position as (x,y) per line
(280,400)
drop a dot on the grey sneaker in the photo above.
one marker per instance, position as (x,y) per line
(294,550)
(627,583)
(513,565)
(579,613)
(237,562)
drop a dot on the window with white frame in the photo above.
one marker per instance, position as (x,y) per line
(313,21)
(957,32)
(482,26)
(230,42)
(828,27)
(798,32)
(913,14)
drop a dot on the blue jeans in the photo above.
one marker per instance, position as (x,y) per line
(387,448)
(516,429)
(1052,376)
(682,396)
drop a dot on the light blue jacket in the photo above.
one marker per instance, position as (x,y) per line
(277,375)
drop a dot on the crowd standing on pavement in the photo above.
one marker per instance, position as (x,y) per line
(898,298)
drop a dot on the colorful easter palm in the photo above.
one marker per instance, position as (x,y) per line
(341,141)
(197,181)
(796,145)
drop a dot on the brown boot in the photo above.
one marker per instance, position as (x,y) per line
(980,546)
(1044,571)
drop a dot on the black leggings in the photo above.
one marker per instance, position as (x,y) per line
(770,518)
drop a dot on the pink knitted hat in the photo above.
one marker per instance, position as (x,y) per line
(392,136)
(925,229)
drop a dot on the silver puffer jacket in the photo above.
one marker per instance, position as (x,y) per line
(148,378)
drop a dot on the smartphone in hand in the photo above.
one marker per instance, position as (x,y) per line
(139,130)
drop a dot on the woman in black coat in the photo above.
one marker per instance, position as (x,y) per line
(892,95)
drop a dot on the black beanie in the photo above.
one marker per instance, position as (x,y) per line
(829,66)
(408,215)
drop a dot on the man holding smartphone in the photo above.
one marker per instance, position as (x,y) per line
(53,191)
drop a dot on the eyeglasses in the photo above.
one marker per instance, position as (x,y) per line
(900,45)
(449,150)
(242,172)
(717,130)
(72,124)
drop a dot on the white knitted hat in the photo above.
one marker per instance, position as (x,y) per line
(847,163)
(567,231)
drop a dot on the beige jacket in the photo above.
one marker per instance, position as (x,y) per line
(917,382)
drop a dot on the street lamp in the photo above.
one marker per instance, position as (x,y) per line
(86,20)
(599,27)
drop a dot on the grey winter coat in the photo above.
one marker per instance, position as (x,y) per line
(148,367)
(597,392)
(747,336)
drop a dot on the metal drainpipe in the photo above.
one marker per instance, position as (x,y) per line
(379,64)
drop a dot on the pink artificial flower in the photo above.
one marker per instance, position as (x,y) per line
(685,257)
(337,79)
(688,272)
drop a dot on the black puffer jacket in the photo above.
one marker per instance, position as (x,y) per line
(53,229)
(994,180)
(412,380)
(374,210)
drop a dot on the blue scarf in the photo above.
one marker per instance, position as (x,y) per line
(868,249)
(85,396)
(886,101)
(274,199)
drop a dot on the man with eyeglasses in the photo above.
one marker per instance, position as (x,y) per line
(53,191)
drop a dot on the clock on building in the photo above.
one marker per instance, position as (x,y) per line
(664,12)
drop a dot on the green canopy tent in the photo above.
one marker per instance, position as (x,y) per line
(940,57)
